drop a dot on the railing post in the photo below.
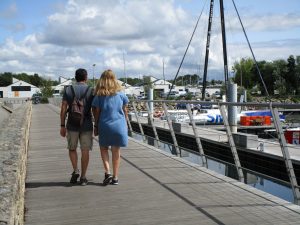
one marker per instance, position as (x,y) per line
(129,125)
(171,129)
(138,121)
(232,144)
(150,117)
(200,148)
(286,155)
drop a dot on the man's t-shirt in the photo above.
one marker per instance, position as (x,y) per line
(80,89)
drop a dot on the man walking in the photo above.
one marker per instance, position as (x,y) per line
(74,132)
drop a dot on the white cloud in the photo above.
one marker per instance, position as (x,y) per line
(140,47)
(265,23)
(85,32)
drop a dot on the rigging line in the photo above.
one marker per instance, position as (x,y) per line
(262,80)
(186,50)
(238,49)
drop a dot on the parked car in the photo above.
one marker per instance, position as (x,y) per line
(36,98)
(181,105)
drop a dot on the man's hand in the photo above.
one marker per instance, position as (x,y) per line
(63,131)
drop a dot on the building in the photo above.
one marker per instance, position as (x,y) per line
(18,89)
(63,82)
(130,90)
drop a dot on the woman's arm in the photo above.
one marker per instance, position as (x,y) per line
(96,113)
(125,110)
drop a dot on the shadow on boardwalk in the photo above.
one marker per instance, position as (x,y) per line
(155,188)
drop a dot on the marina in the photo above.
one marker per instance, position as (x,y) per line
(210,94)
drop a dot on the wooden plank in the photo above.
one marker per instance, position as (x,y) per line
(155,188)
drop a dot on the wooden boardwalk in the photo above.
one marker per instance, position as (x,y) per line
(155,188)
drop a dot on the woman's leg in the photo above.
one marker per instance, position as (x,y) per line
(115,160)
(105,158)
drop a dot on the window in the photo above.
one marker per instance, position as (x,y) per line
(21,88)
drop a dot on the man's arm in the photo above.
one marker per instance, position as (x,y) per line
(63,113)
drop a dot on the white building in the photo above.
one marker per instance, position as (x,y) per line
(130,90)
(63,82)
(160,85)
(18,89)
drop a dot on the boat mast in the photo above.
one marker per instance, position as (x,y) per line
(224,44)
(208,43)
(211,11)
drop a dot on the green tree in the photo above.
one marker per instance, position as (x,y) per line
(36,80)
(5,79)
(131,81)
(47,90)
(244,73)
(297,74)
(279,76)
(266,70)
(290,77)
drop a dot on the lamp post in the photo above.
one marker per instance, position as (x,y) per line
(94,75)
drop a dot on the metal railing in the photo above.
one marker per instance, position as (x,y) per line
(140,107)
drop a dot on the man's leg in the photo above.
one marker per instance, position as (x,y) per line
(74,159)
(72,138)
(85,156)
(86,144)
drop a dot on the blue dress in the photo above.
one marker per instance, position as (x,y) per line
(112,123)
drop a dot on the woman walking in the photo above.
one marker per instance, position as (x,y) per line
(110,112)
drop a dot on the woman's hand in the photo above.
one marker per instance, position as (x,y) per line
(96,131)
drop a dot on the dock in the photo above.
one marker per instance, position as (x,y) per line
(154,187)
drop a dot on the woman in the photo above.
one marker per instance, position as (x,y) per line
(110,112)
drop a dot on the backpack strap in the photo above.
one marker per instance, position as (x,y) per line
(73,92)
(83,96)
(85,93)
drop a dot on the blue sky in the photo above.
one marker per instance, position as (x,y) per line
(54,37)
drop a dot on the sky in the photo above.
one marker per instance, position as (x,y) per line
(141,37)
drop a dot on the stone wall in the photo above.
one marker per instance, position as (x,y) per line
(14,136)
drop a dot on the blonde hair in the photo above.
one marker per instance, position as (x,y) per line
(107,84)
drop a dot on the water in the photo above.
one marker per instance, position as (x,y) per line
(265,184)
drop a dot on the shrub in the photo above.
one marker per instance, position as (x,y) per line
(44,100)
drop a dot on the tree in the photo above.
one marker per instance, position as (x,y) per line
(291,79)
(131,81)
(36,80)
(5,79)
(47,90)
(266,70)
(279,76)
(244,73)
(297,74)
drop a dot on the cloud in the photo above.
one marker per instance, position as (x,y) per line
(111,23)
(15,28)
(266,23)
(10,12)
(144,32)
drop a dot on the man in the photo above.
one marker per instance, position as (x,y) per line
(74,133)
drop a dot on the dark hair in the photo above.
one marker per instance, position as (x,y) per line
(80,75)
